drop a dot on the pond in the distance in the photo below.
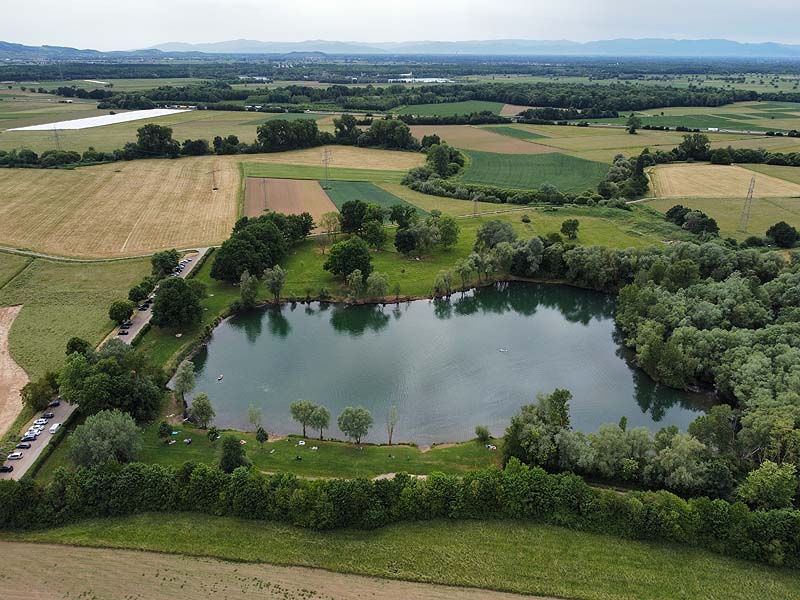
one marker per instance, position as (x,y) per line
(446,366)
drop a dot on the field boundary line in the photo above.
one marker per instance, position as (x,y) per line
(18,273)
(57,258)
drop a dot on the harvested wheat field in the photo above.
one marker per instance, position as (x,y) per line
(475,138)
(12,376)
(716,181)
(345,156)
(120,209)
(287,196)
(512,110)
(101,573)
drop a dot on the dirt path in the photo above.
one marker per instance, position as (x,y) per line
(41,572)
(12,376)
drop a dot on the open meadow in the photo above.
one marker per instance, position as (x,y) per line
(467,137)
(61,300)
(519,557)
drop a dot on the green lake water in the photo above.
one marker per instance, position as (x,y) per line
(446,365)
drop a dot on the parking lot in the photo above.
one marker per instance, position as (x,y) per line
(140,318)
(60,415)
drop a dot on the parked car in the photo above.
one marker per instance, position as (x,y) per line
(29,438)
(41,421)
(55,402)
(6,468)
(15,456)
(48,415)
(123,332)
(24,445)
(55,428)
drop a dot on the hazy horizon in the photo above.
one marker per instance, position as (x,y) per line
(116,26)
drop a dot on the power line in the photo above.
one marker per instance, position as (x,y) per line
(326,160)
(748,203)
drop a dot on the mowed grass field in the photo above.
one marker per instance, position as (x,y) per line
(511,556)
(289,171)
(567,173)
(449,108)
(120,209)
(61,300)
(716,181)
(137,574)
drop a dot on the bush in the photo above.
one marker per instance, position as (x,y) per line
(482,434)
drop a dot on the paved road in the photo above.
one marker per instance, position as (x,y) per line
(142,317)
(29,456)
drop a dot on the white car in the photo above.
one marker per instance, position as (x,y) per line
(15,456)
(55,428)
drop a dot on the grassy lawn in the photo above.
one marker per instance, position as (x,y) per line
(529,171)
(788,173)
(515,132)
(341,191)
(332,459)
(285,171)
(520,557)
(62,300)
(450,108)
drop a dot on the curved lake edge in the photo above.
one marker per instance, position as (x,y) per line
(708,396)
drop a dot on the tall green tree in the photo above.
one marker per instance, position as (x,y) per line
(302,410)
(202,411)
(164,263)
(355,422)
(347,256)
(275,279)
(248,290)
(232,455)
(120,311)
(184,380)
(109,435)
(320,419)
(176,305)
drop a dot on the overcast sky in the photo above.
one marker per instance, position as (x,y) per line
(114,25)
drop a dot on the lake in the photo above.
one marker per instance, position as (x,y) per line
(446,365)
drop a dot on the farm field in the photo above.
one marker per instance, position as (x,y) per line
(716,181)
(118,85)
(567,173)
(287,196)
(482,139)
(791,174)
(518,556)
(743,116)
(345,157)
(449,108)
(290,171)
(515,132)
(130,574)
(342,191)
(512,110)
(193,124)
(120,209)
(448,206)
(764,212)
(61,300)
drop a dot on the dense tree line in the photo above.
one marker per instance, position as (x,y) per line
(517,492)
(257,244)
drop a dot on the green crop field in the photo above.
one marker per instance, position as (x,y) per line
(529,171)
(515,132)
(513,556)
(288,171)
(450,108)
(61,300)
(341,191)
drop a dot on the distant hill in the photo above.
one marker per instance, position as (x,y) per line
(653,47)
(618,47)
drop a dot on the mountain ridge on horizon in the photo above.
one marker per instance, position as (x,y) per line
(619,47)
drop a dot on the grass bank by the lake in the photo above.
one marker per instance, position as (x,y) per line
(519,557)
